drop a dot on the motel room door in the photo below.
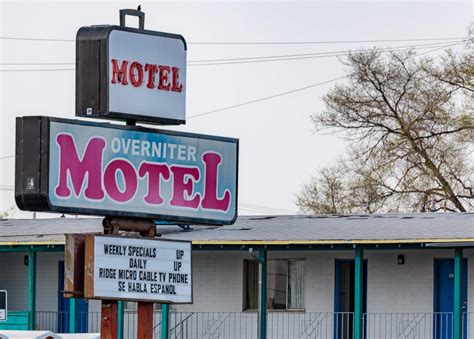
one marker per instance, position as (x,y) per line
(63,308)
(444,298)
(344,298)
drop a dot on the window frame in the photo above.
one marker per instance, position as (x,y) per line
(245,285)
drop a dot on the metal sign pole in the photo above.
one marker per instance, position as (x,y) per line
(147,229)
(109,308)
(108,324)
(145,309)
(262,289)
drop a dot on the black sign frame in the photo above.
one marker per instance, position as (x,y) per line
(92,74)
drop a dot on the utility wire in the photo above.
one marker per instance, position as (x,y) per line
(38,70)
(439,48)
(36,63)
(207,62)
(328,53)
(36,39)
(324,53)
(275,95)
(237,62)
(256,42)
(293,91)
(318,42)
(310,57)
(7,157)
(266,98)
(263,208)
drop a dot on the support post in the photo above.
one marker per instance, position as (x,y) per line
(358,294)
(165,312)
(262,291)
(458,302)
(108,326)
(145,320)
(72,315)
(121,311)
(32,289)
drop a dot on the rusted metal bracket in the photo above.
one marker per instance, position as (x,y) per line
(145,227)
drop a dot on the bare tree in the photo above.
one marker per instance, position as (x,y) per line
(410,126)
(326,194)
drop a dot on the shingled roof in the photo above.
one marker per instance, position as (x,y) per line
(271,230)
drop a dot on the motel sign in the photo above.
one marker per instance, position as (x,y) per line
(112,170)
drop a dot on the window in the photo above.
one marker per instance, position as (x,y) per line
(285,288)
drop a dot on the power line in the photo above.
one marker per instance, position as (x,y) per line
(311,57)
(287,92)
(6,157)
(203,62)
(35,63)
(323,53)
(36,39)
(319,42)
(291,91)
(263,208)
(439,48)
(38,70)
(266,98)
(245,60)
(257,42)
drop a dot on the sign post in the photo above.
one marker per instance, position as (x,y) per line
(131,175)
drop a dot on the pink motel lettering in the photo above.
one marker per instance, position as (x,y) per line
(123,171)
(103,179)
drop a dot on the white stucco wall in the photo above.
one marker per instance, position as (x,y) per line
(218,279)
(14,279)
(218,284)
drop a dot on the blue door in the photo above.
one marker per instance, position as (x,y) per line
(63,307)
(444,298)
(344,298)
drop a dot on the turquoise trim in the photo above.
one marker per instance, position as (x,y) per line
(120,320)
(457,317)
(165,312)
(72,315)
(32,289)
(358,294)
(16,321)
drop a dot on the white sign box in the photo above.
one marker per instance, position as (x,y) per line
(138,269)
(125,73)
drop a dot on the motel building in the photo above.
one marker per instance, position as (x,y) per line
(342,277)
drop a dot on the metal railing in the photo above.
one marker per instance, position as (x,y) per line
(59,321)
(280,325)
(437,325)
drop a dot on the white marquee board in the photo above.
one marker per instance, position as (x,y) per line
(138,269)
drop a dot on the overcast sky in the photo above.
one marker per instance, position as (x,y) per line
(279,149)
